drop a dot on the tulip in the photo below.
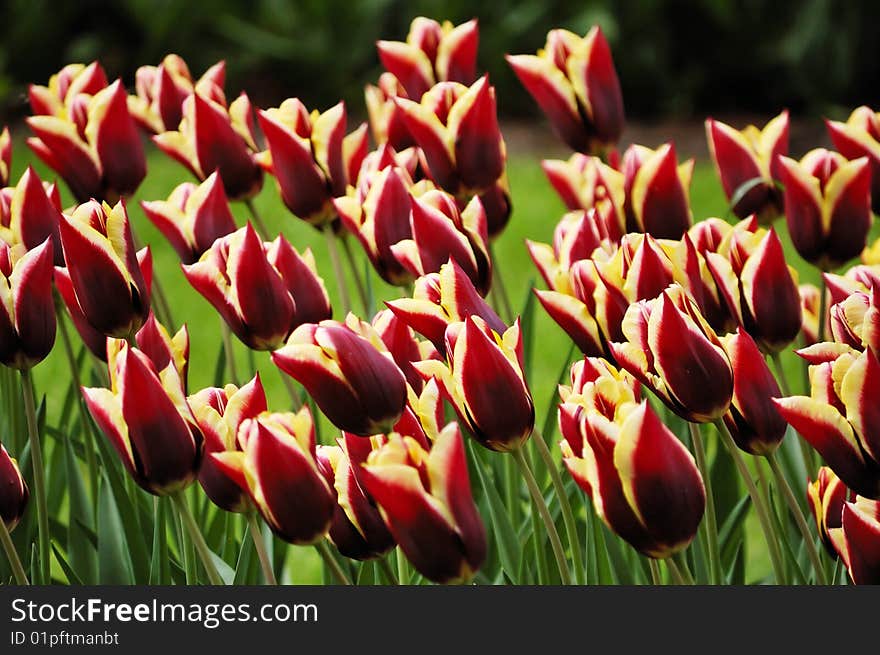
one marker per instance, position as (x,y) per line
(827,206)
(262,290)
(27,309)
(432,53)
(14,492)
(811,299)
(440,233)
(440,299)
(642,481)
(213,137)
(426,501)
(348,371)
(357,531)
(386,119)
(145,416)
(496,203)
(758,287)
(826,497)
(34,215)
(574,83)
(193,217)
(457,129)
(311,158)
(671,349)
(85,133)
(161,348)
(484,366)
(161,90)
(753,420)
(110,288)
(576,180)
(748,165)
(856,320)
(859,137)
(840,417)
(403,345)
(378,214)
(219,414)
(858,540)
(278,469)
(5,156)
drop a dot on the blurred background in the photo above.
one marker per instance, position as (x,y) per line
(681,59)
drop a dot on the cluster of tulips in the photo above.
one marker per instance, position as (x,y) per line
(683,314)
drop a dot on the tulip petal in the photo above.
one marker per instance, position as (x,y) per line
(114,135)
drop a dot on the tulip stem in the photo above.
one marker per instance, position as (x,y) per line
(229,350)
(257,219)
(260,546)
(757,501)
(498,284)
(388,571)
(715,568)
(541,506)
(324,551)
(574,541)
(355,272)
(39,473)
(798,515)
(14,562)
(195,535)
(336,263)
(656,576)
(292,391)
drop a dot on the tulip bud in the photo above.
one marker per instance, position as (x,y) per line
(856,321)
(576,181)
(213,137)
(839,418)
(574,83)
(145,416)
(84,132)
(827,206)
(826,497)
(311,158)
(278,469)
(161,348)
(440,233)
(758,287)
(457,129)
(193,217)
(35,213)
(425,499)
(5,156)
(27,309)
(14,492)
(349,372)
(483,367)
(641,479)
(753,420)
(219,413)
(357,531)
(671,349)
(106,278)
(441,299)
(858,540)
(161,90)
(748,166)
(859,137)
(262,290)
(432,53)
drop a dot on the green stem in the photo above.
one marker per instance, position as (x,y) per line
(757,501)
(324,551)
(257,219)
(574,541)
(338,271)
(679,568)
(39,473)
(541,506)
(799,518)
(656,577)
(292,391)
(257,536)
(228,348)
(388,571)
(195,535)
(11,555)
(356,274)
(715,568)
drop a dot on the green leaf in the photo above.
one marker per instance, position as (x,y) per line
(114,563)
(159,559)
(79,548)
(72,577)
(246,557)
